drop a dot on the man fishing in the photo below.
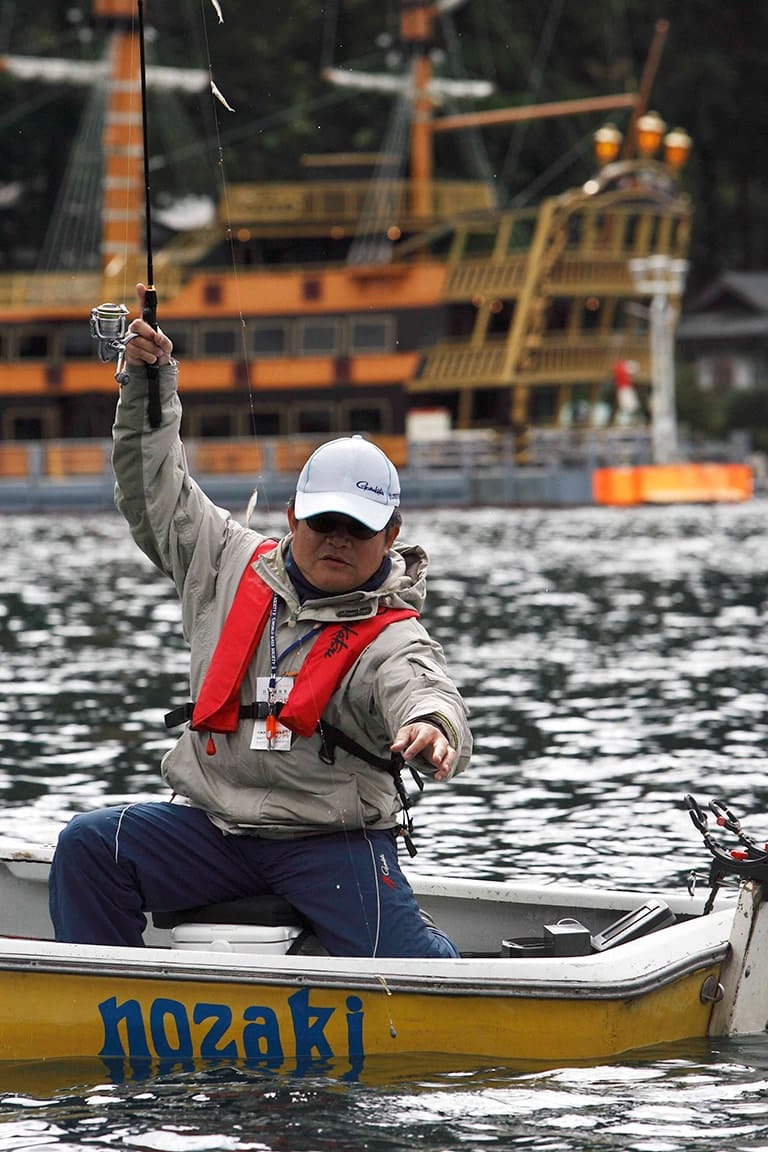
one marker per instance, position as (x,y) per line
(313,680)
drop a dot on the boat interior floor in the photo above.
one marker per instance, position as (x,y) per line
(566,937)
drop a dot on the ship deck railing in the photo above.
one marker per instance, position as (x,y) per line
(463,469)
(260,459)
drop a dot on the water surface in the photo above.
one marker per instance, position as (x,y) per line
(613,661)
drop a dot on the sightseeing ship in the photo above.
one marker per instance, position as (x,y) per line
(359,300)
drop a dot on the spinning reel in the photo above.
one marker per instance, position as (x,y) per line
(109,325)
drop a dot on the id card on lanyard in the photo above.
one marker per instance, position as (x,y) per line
(269,734)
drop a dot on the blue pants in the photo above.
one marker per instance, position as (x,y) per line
(112,865)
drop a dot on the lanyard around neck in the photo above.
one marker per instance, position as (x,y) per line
(274,658)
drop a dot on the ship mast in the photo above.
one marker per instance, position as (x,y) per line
(423,89)
(416,30)
(122,144)
(426,91)
(121,237)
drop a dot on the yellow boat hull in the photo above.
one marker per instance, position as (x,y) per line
(47,1015)
(132,1009)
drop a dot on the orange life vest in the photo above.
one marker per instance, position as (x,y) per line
(333,653)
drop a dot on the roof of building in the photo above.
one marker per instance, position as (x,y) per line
(733,291)
(734,308)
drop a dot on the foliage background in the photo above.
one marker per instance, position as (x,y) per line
(267,59)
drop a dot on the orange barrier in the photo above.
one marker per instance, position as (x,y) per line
(673,484)
(14,461)
(396,447)
(291,455)
(76,459)
(228,456)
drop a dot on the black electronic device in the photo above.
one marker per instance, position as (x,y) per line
(649,917)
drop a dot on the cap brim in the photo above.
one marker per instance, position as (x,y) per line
(368,512)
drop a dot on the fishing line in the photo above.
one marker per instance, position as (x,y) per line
(470,142)
(245,357)
(332,773)
(315,635)
(123,813)
(330,26)
(241,133)
(385,986)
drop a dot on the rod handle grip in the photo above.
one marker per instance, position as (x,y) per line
(149,314)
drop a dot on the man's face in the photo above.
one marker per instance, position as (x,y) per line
(333,559)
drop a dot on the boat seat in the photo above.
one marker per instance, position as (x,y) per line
(268,910)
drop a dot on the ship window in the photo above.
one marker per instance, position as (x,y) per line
(631,232)
(590,314)
(543,404)
(368,418)
(521,234)
(269,339)
(266,422)
(26,428)
(502,313)
(216,423)
(558,314)
(319,337)
(315,420)
(85,421)
(479,243)
(604,233)
(576,230)
(32,344)
(182,340)
(490,406)
(218,342)
(610,308)
(76,342)
(371,334)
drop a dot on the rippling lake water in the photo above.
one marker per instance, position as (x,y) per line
(613,660)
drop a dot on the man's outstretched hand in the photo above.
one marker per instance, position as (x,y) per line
(424,739)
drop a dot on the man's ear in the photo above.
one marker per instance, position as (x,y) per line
(392,534)
(291,518)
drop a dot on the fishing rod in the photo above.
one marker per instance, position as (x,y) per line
(149,312)
(109,321)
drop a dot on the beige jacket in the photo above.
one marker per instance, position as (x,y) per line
(402,674)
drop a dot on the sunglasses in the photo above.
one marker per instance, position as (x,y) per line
(326,524)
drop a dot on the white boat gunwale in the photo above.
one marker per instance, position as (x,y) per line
(642,969)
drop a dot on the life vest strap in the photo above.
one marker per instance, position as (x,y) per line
(332,738)
(258,710)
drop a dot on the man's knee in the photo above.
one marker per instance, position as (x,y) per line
(441,946)
(87,834)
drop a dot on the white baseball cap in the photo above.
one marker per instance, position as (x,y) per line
(350,476)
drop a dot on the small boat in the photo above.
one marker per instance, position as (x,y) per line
(548,975)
